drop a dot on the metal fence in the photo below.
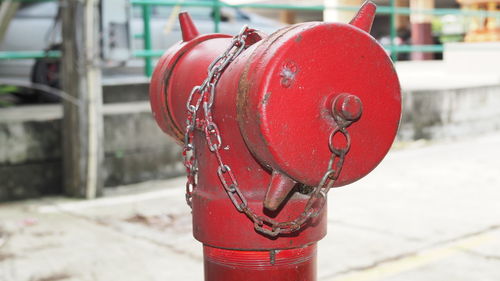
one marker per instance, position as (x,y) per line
(147,53)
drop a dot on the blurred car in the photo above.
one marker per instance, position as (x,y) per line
(36,27)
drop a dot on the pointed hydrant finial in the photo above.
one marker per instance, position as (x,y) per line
(278,190)
(366,15)
(189,30)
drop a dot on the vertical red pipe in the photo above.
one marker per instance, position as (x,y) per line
(275,265)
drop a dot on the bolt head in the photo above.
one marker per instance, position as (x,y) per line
(347,107)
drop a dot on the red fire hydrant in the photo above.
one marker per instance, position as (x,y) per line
(269,123)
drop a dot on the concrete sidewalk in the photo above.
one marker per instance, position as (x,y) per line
(429,212)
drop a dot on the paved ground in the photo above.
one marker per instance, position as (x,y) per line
(430,212)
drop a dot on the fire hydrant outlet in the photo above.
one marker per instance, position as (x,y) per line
(285,94)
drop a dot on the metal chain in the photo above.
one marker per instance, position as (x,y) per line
(205,95)
(196,97)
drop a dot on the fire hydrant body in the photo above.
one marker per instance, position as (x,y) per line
(312,105)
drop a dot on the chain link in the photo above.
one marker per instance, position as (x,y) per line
(204,95)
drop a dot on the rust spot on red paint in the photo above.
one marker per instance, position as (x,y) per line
(266,98)
(288,73)
(241,96)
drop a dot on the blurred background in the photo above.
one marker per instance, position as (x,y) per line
(91,189)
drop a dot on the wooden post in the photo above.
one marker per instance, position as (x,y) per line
(402,21)
(8,9)
(287,16)
(82,122)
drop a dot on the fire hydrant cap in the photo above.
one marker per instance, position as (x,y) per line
(286,94)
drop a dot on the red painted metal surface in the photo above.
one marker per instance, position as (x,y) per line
(274,107)
(280,265)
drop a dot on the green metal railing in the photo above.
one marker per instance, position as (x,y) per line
(29,55)
(391,10)
(148,53)
(146,17)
